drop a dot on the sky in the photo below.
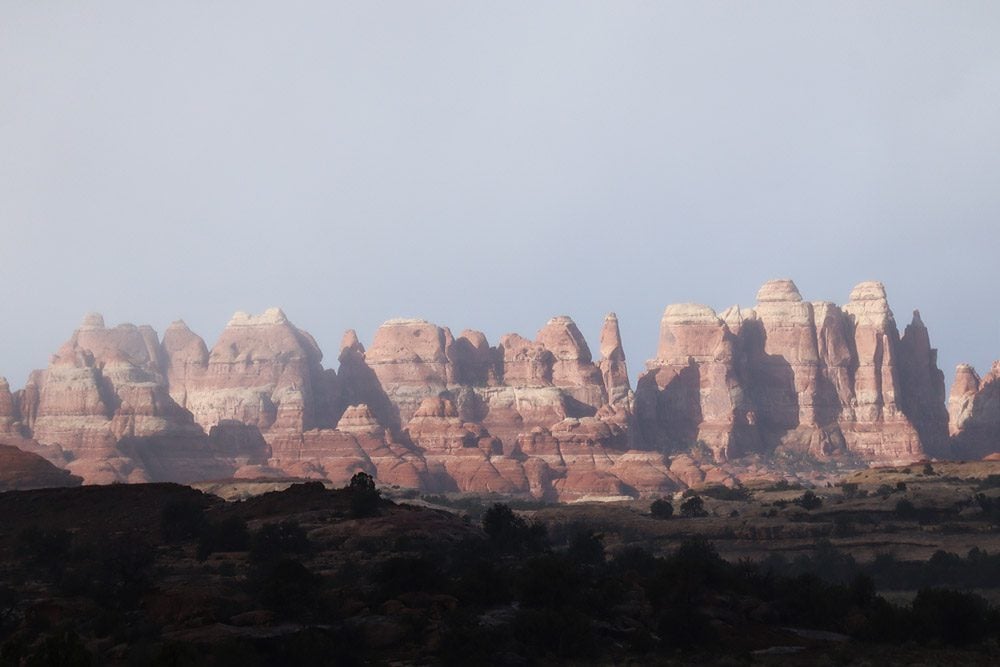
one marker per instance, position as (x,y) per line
(489,165)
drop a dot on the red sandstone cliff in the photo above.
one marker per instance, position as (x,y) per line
(421,408)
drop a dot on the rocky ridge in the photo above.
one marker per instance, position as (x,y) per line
(422,408)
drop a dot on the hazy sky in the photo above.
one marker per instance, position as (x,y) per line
(490,165)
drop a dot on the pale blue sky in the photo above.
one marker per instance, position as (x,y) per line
(490,165)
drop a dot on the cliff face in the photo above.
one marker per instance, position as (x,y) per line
(425,409)
(789,375)
(974,412)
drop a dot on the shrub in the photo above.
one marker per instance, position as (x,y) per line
(510,532)
(850,489)
(181,520)
(586,547)
(953,616)
(64,649)
(809,501)
(905,509)
(287,587)
(693,506)
(365,498)
(719,492)
(48,549)
(230,534)
(274,540)
(661,509)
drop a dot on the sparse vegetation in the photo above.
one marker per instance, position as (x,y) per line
(585,583)
(661,509)
(809,501)
(694,506)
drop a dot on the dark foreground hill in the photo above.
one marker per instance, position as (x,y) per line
(161,574)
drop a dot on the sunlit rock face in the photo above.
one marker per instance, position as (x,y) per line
(793,376)
(24,470)
(614,370)
(974,411)
(693,390)
(262,371)
(10,416)
(106,386)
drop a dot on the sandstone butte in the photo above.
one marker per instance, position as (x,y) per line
(728,396)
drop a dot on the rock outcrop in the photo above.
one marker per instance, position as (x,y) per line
(20,470)
(421,408)
(10,417)
(614,370)
(262,371)
(693,391)
(974,412)
(809,379)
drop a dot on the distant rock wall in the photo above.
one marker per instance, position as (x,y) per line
(422,408)
(789,375)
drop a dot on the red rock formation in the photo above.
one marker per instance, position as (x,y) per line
(692,390)
(572,366)
(880,430)
(525,363)
(262,371)
(974,407)
(921,385)
(961,400)
(21,470)
(535,417)
(409,358)
(795,406)
(614,371)
(473,361)
(9,415)
(460,453)
(104,404)
(185,357)
(361,385)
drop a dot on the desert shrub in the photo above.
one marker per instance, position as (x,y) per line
(842,527)
(661,508)
(905,509)
(884,491)
(65,649)
(989,505)
(850,489)
(809,501)
(114,572)
(47,550)
(928,469)
(586,547)
(275,540)
(991,482)
(403,574)
(181,520)
(230,534)
(365,498)
(693,506)
(720,492)
(550,581)
(508,531)
(953,617)
(563,634)
(784,485)
(287,587)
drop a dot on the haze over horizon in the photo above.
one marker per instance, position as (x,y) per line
(489,165)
